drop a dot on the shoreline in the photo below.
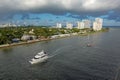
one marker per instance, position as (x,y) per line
(32,41)
(46,39)
(22,43)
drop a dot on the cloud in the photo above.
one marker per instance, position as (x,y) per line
(59,7)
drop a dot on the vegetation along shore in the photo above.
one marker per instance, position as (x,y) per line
(12,36)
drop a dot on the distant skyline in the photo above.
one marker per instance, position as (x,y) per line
(49,12)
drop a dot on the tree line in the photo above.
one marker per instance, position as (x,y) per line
(9,33)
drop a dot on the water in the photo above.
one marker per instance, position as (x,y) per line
(70,59)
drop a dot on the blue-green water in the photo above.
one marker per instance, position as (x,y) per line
(71,59)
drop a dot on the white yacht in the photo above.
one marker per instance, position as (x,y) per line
(40,57)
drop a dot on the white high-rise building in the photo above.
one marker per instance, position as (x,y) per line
(69,26)
(97,24)
(83,24)
(86,23)
(80,25)
(59,25)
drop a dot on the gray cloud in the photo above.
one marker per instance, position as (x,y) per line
(59,7)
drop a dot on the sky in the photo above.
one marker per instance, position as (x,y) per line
(49,12)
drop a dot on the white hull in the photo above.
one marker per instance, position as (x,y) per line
(40,60)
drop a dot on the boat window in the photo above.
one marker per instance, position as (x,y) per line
(42,56)
(44,52)
(36,58)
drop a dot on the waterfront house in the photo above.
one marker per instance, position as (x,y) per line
(25,37)
(28,37)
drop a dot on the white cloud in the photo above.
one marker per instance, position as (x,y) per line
(101,5)
(67,4)
(54,6)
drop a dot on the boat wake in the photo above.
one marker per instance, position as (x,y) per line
(54,53)
(102,49)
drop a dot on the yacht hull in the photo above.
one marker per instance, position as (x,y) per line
(35,61)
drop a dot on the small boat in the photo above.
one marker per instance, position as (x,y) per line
(39,58)
(89,45)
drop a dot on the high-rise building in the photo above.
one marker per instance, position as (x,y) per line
(86,23)
(59,25)
(83,24)
(69,25)
(80,25)
(97,24)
